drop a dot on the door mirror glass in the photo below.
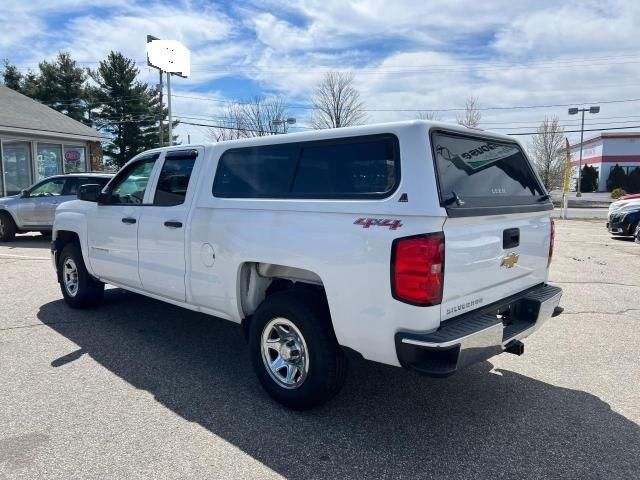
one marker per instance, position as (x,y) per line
(90,192)
(24,193)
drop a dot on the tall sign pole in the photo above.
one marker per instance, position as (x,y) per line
(151,38)
(172,58)
(169,108)
(161,107)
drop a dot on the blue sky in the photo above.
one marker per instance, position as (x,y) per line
(404,54)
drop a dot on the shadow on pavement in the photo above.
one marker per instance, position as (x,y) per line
(385,423)
(28,241)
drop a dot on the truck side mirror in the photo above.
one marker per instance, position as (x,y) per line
(90,192)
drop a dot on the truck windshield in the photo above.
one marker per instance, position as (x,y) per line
(482,172)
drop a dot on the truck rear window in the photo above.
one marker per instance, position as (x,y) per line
(482,172)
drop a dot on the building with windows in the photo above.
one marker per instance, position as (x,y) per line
(605,151)
(37,142)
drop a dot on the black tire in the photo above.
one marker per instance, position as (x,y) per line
(88,291)
(7,227)
(327,364)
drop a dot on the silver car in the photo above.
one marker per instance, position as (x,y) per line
(34,209)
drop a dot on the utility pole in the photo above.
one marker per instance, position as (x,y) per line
(574,111)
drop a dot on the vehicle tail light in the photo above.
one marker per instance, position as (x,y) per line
(551,241)
(417,269)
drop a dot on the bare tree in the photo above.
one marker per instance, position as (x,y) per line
(429,115)
(254,118)
(547,150)
(472,115)
(337,102)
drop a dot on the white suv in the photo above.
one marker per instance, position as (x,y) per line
(416,244)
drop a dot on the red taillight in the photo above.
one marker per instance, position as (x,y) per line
(417,269)
(551,241)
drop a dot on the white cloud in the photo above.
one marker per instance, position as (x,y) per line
(570,29)
(405,54)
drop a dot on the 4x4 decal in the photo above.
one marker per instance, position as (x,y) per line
(378,222)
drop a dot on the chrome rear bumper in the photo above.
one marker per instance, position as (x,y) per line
(478,335)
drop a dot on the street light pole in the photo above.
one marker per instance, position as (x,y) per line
(579,193)
(573,111)
(276,123)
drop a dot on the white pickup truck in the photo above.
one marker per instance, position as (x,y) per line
(416,244)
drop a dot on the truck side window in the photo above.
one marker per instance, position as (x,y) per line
(129,188)
(366,166)
(346,168)
(174,181)
(256,171)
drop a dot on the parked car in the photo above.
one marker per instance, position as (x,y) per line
(34,208)
(624,218)
(630,196)
(416,244)
(618,204)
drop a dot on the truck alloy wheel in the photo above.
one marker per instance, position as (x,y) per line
(70,276)
(79,288)
(284,353)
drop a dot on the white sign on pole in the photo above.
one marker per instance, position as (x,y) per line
(169,56)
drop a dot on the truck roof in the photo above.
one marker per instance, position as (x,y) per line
(323,134)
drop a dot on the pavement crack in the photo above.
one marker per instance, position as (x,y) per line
(41,324)
(593,312)
(615,284)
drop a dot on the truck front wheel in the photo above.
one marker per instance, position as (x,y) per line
(79,288)
(294,350)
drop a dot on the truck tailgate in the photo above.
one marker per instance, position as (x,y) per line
(492,257)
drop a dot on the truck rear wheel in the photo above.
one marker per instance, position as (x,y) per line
(7,227)
(294,350)
(79,288)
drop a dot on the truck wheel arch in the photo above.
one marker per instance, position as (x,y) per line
(63,238)
(258,280)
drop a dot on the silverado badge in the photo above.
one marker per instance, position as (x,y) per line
(510,260)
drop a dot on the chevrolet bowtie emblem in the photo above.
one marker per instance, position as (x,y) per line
(510,260)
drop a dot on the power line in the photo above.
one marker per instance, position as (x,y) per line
(447,67)
(578,131)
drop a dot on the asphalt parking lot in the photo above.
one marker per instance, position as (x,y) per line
(141,389)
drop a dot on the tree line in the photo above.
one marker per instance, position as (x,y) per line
(109,98)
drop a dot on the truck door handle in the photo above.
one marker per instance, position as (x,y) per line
(129,220)
(173,224)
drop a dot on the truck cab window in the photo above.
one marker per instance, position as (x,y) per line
(129,188)
(174,181)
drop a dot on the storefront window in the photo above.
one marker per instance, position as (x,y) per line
(75,159)
(16,166)
(48,160)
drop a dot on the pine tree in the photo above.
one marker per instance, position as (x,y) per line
(617,178)
(11,76)
(633,181)
(62,86)
(589,179)
(127,109)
